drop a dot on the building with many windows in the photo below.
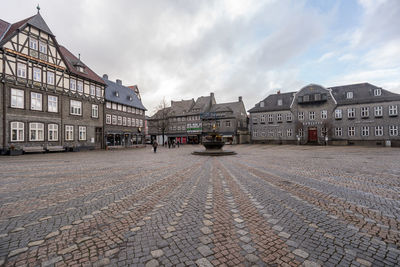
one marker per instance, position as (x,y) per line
(49,99)
(350,114)
(124,115)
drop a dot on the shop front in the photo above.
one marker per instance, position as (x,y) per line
(126,139)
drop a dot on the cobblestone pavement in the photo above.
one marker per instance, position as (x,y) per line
(266,206)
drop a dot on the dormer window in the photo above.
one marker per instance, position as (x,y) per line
(279,102)
(116,94)
(130,98)
(349,95)
(377,92)
(79,68)
(262,104)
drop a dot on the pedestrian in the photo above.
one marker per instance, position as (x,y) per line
(178,144)
(169,144)
(155,145)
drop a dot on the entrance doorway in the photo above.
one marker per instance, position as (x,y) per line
(98,137)
(312,134)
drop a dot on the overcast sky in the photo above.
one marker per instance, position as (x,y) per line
(183,49)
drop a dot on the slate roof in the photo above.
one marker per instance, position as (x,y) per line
(4,26)
(363,93)
(70,60)
(181,107)
(235,107)
(123,95)
(202,103)
(271,103)
(13,28)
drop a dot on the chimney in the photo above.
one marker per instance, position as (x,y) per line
(105,76)
(240,99)
(279,92)
(211,94)
(119,82)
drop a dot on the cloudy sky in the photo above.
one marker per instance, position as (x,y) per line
(182,49)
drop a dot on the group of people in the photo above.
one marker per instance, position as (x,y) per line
(172,143)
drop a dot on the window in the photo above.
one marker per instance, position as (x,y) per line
(392,110)
(114,119)
(338,131)
(228,123)
(349,95)
(37,74)
(306,98)
(301,116)
(393,130)
(279,117)
(378,111)
(301,133)
(98,91)
(76,107)
(324,131)
(262,104)
(338,114)
(50,77)
(119,107)
(270,118)
(124,121)
(119,120)
(108,104)
(114,106)
(72,85)
(36,131)
(17,131)
(289,132)
(124,108)
(52,132)
(352,131)
(262,118)
(279,102)
(21,70)
(17,98)
(317,97)
(324,114)
(255,120)
(129,122)
(92,90)
(133,122)
(79,86)
(33,44)
(364,131)
(52,103)
(311,115)
(129,109)
(108,119)
(69,132)
(43,48)
(137,122)
(351,113)
(289,117)
(378,130)
(364,112)
(36,101)
(95,111)
(141,123)
(82,133)
(377,92)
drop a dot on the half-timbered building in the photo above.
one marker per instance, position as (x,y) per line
(49,99)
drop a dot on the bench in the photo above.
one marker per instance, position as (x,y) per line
(55,148)
(33,149)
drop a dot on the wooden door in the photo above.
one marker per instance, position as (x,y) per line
(312,134)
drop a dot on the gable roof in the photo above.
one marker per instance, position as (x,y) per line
(4,26)
(38,22)
(12,29)
(271,103)
(181,107)
(70,60)
(237,108)
(363,93)
(126,95)
(202,104)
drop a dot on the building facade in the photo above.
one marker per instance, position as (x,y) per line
(188,121)
(124,113)
(349,114)
(49,99)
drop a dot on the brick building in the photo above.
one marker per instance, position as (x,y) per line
(49,99)
(124,115)
(350,114)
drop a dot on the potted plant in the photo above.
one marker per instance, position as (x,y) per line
(13,151)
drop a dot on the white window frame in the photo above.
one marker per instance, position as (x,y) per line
(52,132)
(79,86)
(108,118)
(129,122)
(42,47)
(95,111)
(393,110)
(351,113)
(124,121)
(378,111)
(338,114)
(311,115)
(351,131)
(92,90)
(33,43)
(98,91)
(289,117)
(18,128)
(36,101)
(279,117)
(377,92)
(349,95)
(82,133)
(324,114)
(393,130)
(119,120)
(270,117)
(300,115)
(124,108)
(21,70)
(365,131)
(289,132)
(108,105)
(37,74)
(364,112)
(69,133)
(262,118)
(72,85)
(227,123)
(338,131)
(379,130)
(114,106)
(114,119)
(52,103)
(38,129)
(50,77)
(17,96)
(279,102)
(75,107)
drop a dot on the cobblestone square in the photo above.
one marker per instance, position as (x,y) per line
(265,206)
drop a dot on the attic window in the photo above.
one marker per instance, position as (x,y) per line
(377,92)
(262,104)
(79,68)
(130,98)
(116,94)
(349,95)
(279,102)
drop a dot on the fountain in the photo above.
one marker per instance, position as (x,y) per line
(213,144)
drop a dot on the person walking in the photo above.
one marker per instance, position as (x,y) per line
(155,145)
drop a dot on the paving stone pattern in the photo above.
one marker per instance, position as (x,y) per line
(265,206)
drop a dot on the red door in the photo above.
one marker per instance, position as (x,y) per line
(312,134)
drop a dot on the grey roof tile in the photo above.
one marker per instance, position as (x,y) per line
(124,95)
(271,103)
